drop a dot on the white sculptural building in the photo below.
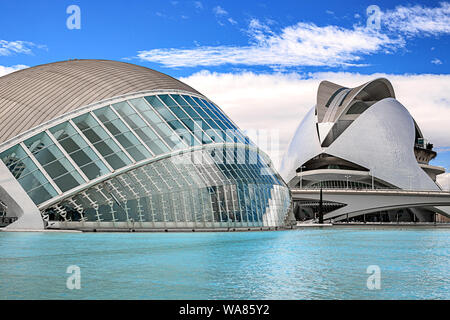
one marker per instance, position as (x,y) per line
(365,150)
(106,145)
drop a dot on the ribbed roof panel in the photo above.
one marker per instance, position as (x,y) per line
(36,95)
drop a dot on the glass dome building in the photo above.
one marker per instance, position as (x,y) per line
(105,145)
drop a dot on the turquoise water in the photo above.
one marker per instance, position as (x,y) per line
(297,264)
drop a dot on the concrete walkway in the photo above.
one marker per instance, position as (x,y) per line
(313,225)
(45,230)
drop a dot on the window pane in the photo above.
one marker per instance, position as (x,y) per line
(167,100)
(239,135)
(179,113)
(107,147)
(176,125)
(191,112)
(86,159)
(140,127)
(160,126)
(53,161)
(17,161)
(42,193)
(122,134)
(27,174)
(179,100)
(94,169)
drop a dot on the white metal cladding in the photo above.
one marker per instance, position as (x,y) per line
(304,145)
(382,140)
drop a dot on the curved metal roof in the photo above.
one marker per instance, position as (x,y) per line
(330,92)
(36,95)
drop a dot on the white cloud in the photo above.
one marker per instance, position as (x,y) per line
(8,48)
(419,20)
(436,61)
(231,20)
(444,181)
(221,14)
(302,44)
(219,11)
(4,70)
(276,103)
(306,44)
(198,5)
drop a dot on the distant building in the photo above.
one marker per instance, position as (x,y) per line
(105,145)
(364,147)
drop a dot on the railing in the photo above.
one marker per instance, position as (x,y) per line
(379,191)
(404,223)
(427,146)
(4,221)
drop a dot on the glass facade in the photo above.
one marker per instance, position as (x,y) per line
(102,141)
(77,148)
(218,185)
(193,190)
(53,161)
(27,174)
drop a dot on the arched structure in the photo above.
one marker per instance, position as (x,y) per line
(360,138)
(105,145)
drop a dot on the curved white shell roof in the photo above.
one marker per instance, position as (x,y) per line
(381,138)
(304,146)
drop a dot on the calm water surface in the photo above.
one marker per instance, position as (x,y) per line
(298,264)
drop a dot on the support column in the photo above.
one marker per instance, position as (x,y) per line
(19,203)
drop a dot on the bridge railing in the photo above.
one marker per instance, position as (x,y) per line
(374,191)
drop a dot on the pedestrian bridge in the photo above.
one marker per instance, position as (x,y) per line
(359,202)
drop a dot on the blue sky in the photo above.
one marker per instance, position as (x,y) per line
(307,39)
(120,29)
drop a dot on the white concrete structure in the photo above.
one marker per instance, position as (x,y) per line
(360,138)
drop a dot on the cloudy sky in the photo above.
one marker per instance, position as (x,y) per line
(261,61)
